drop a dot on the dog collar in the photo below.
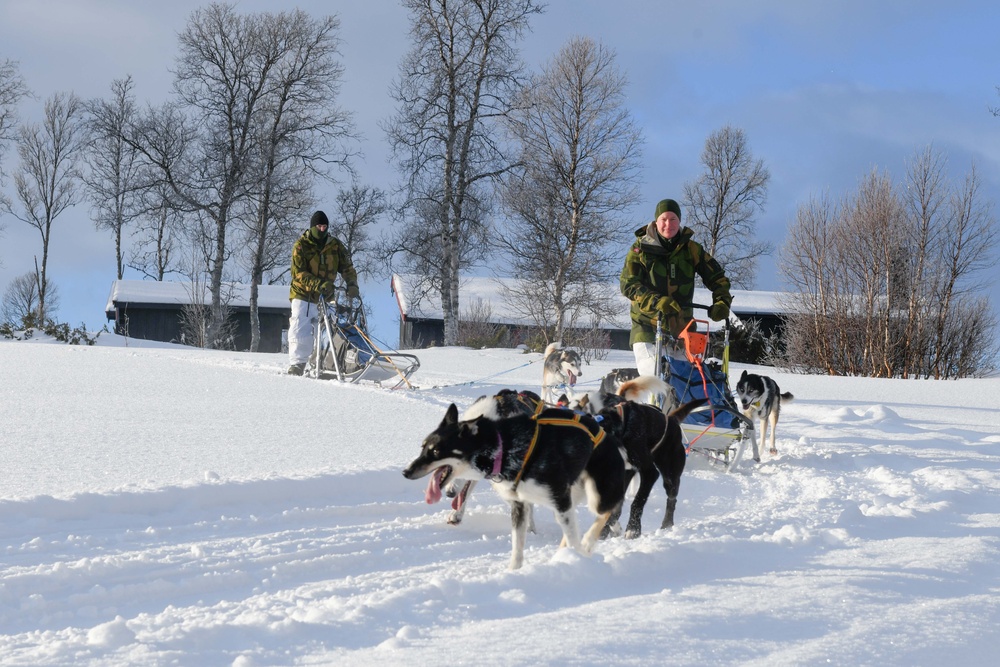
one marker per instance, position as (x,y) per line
(497,461)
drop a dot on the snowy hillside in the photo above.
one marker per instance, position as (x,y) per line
(168,506)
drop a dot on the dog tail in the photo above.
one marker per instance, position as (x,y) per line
(786,397)
(649,384)
(552,347)
(683,411)
(485,406)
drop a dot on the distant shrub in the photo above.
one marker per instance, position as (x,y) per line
(59,330)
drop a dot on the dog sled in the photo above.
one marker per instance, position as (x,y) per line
(345,352)
(718,431)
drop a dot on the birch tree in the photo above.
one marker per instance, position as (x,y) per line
(114,169)
(359,208)
(301,134)
(722,203)
(47,178)
(456,82)
(253,116)
(891,282)
(578,163)
(12,91)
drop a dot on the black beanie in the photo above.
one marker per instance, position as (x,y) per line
(319,218)
(668,205)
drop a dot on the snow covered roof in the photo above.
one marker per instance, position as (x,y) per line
(135,292)
(471,289)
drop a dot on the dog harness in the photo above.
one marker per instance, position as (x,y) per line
(572,422)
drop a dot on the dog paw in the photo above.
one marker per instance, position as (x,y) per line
(632,534)
(611,530)
(773,452)
(454,519)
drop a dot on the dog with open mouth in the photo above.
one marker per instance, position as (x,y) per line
(560,371)
(555,458)
(505,403)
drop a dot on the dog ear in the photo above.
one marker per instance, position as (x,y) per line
(744,376)
(469,428)
(451,416)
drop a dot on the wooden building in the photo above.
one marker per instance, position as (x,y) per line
(152,310)
(422,320)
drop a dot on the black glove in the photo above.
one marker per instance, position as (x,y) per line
(718,311)
(326,288)
(352,291)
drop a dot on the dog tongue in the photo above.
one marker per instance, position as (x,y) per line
(433,493)
(572,378)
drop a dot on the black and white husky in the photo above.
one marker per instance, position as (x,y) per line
(760,398)
(554,458)
(559,372)
(505,403)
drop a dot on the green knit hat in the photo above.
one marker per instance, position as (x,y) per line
(668,205)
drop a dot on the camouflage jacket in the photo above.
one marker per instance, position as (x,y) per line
(314,261)
(653,270)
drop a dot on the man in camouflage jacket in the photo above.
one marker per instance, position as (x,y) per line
(317,258)
(658,278)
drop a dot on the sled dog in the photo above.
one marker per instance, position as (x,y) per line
(659,390)
(554,458)
(505,403)
(560,371)
(611,382)
(760,398)
(653,441)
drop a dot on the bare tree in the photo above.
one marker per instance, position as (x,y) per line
(890,286)
(578,162)
(20,300)
(46,182)
(12,91)
(924,196)
(164,138)
(113,178)
(810,268)
(456,81)
(155,239)
(722,202)
(871,239)
(966,255)
(201,147)
(253,122)
(301,132)
(359,208)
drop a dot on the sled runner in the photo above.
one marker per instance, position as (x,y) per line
(345,351)
(718,430)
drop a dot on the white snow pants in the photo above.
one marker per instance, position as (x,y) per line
(300,331)
(645,358)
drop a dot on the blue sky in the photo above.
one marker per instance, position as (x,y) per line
(824,91)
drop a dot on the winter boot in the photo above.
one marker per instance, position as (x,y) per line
(296,369)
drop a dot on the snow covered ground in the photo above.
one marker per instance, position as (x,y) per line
(167,506)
